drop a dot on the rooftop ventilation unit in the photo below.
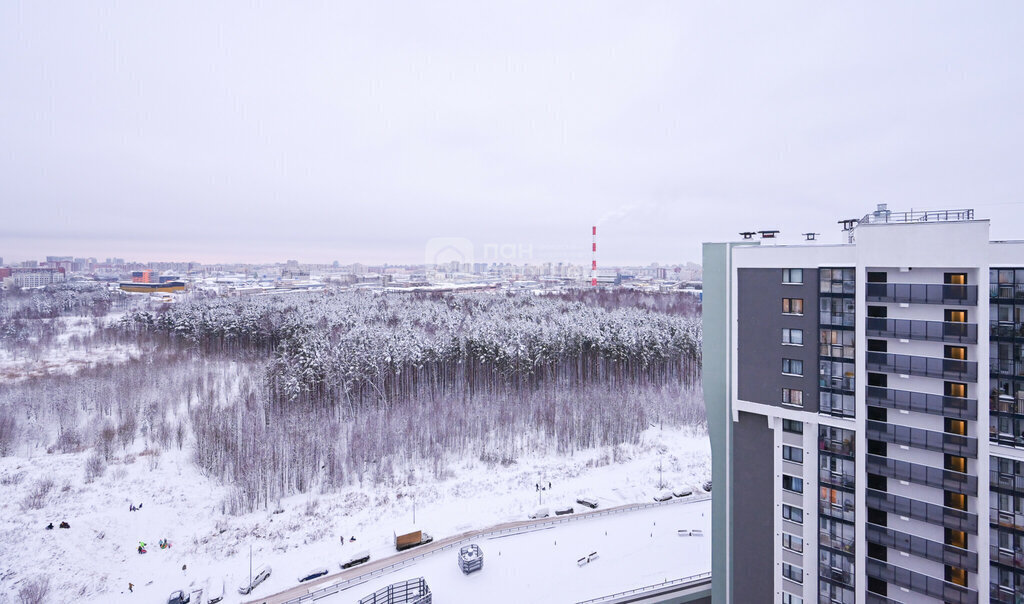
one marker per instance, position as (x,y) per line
(748,234)
(768,234)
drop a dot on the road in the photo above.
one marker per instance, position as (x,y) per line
(376,565)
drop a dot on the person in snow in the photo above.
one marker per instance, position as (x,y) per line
(343,539)
(65,525)
(183,567)
(131,586)
(49,527)
(353,538)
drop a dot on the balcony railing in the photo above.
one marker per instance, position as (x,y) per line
(1005,329)
(1006,558)
(935,404)
(1011,482)
(1006,367)
(1005,519)
(934,367)
(1006,291)
(921,547)
(923,511)
(922,584)
(919,438)
(933,331)
(836,542)
(924,475)
(837,479)
(922,293)
(1003,403)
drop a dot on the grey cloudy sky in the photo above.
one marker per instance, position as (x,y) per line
(357,131)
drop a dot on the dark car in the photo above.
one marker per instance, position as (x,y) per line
(178,597)
(707,486)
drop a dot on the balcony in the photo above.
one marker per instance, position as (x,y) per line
(1006,558)
(1006,292)
(932,331)
(921,293)
(836,479)
(1007,482)
(921,547)
(1006,519)
(1004,403)
(924,475)
(925,512)
(1006,368)
(933,367)
(1005,329)
(922,584)
(934,404)
(873,598)
(919,438)
(836,542)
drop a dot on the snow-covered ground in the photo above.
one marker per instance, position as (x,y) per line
(634,549)
(66,355)
(96,558)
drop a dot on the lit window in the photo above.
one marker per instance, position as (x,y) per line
(793,306)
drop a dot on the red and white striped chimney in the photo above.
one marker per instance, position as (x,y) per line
(593,261)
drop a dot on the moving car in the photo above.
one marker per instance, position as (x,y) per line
(587,500)
(357,558)
(261,575)
(313,574)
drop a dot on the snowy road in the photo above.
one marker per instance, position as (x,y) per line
(537,560)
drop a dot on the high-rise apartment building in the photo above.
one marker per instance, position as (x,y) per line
(848,390)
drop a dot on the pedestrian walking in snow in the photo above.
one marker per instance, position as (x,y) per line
(353,538)
(183,568)
(49,527)
(130,587)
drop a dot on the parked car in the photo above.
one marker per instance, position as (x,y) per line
(357,558)
(562,511)
(663,496)
(313,574)
(590,502)
(178,597)
(683,492)
(261,575)
(707,486)
(540,513)
(214,590)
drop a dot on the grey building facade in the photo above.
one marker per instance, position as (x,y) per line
(848,390)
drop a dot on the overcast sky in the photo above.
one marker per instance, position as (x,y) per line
(359,131)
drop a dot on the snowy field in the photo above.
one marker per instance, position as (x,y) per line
(635,549)
(96,558)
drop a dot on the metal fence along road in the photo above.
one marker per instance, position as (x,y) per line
(331,585)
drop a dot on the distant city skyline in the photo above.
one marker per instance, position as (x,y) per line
(224,133)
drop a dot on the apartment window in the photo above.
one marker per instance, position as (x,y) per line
(793,336)
(793,276)
(955,316)
(793,514)
(955,500)
(791,599)
(792,542)
(791,396)
(792,426)
(955,279)
(792,306)
(793,573)
(956,463)
(793,454)
(956,575)
(792,483)
(793,366)
(956,389)
(958,353)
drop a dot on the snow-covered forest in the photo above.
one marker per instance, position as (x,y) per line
(283,395)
